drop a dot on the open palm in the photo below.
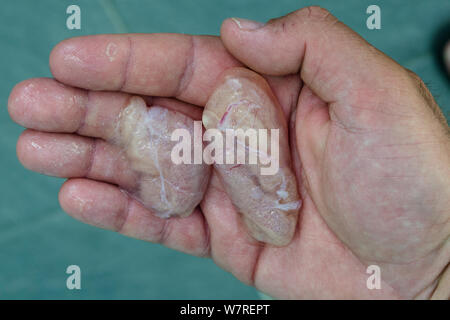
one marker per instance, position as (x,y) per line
(365,197)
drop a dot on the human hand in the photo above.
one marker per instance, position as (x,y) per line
(372,162)
(373,144)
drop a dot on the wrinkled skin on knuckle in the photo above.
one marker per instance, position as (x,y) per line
(166,188)
(269,204)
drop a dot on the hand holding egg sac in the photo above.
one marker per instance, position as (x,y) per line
(263,191)
(268,200)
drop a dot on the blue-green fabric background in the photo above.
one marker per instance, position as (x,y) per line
(38,241)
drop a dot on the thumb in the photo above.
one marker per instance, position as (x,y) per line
(332,59)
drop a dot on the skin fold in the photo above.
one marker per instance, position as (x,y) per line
(269,203)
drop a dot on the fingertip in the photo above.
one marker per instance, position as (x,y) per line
(229,27)
(45,104)
(21,148)
(27,150)
(55,57)
(64,57)
(64,192)
(92,62)
(54,154)
(14,100)
(240,25)
(96,203)
(70,201)
(237,43)
(23,97)
(230,36)
(261,47)
(68,196)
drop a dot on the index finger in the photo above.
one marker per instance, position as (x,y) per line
(167,65)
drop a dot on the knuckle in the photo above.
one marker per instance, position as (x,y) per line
(314,13)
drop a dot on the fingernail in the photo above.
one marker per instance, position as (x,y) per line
(245,24)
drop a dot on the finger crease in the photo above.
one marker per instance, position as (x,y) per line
(85,112)
(188,71)
(125,213)
(127,65)
(256,264)
(91,157)
(164,233)
(207,246)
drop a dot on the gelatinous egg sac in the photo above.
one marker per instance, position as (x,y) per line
(269,203)
(166,188)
